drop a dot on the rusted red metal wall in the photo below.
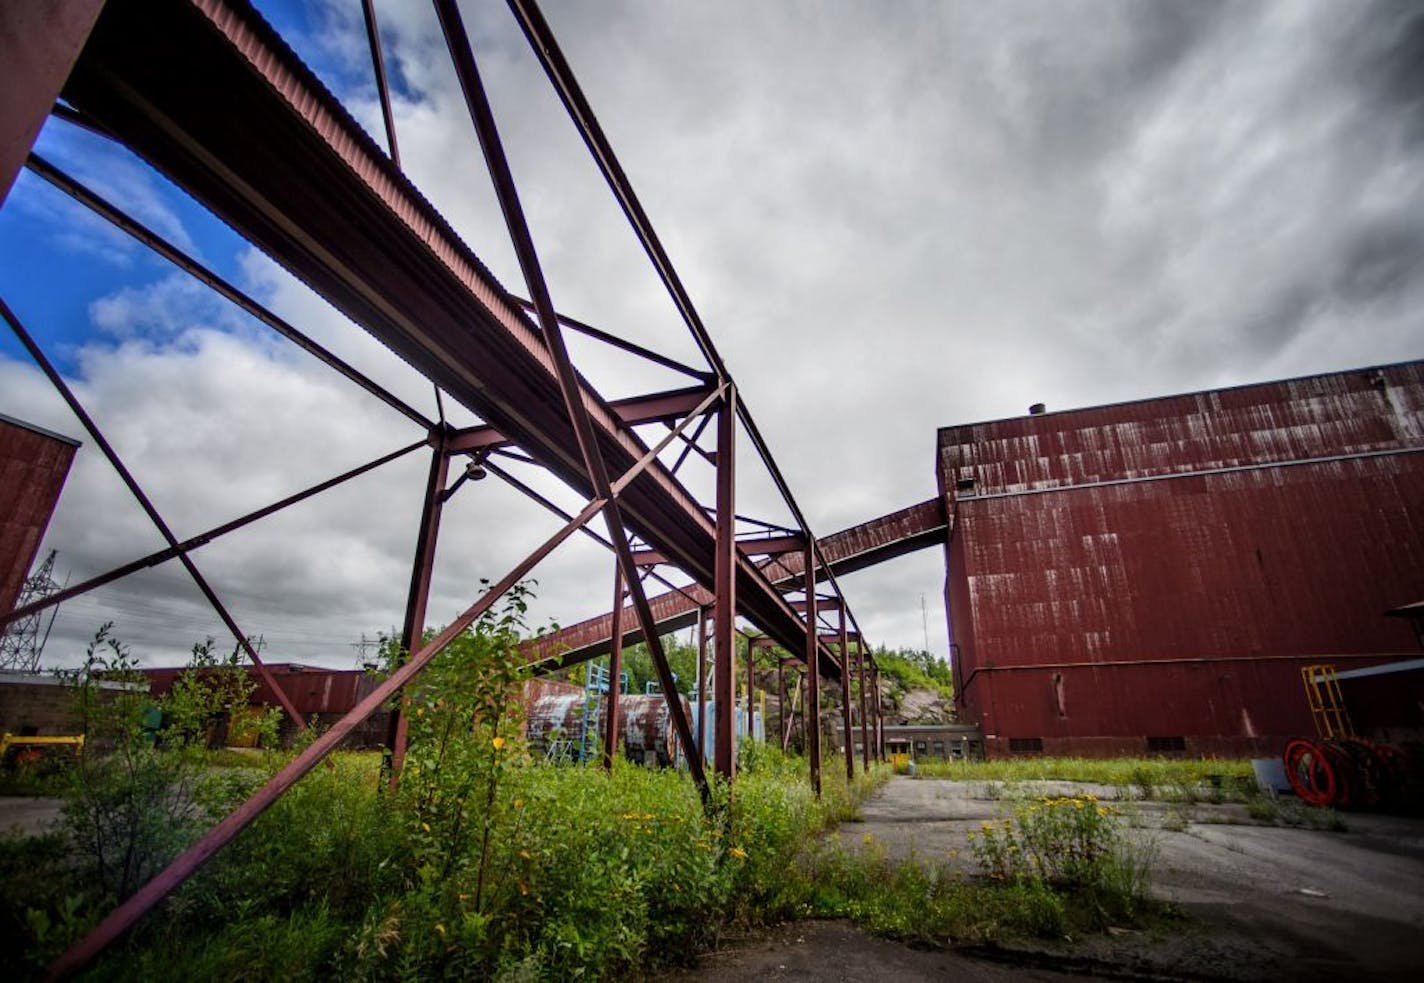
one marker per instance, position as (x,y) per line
(1161,569)
(33,466)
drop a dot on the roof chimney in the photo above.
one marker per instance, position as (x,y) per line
(1036,409)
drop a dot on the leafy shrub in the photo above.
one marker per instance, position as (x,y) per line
(1074,843)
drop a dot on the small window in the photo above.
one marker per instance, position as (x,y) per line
(939,748)
(921,746)
(1025,745)
(1166,745)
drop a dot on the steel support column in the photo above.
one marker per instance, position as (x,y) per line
(724,613)
(615,669)
(781,700)
(845,698)
(812,714)
(751,689)
(418,596)
(864,720)
(880,720)
(701,682)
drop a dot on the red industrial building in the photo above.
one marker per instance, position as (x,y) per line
(1150,577)
(33,466)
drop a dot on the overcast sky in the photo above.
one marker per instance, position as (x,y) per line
(892,217)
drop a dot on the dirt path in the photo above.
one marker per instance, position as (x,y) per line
(1262,903)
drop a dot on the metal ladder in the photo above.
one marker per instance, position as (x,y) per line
(1327,707)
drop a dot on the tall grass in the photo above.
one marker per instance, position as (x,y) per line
(1148,772)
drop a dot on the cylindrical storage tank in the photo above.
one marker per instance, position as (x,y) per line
(647,730)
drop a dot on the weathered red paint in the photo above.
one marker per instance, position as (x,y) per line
(33,466)
(1264,525)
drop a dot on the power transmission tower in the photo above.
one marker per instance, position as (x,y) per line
(22,643)
(361,647)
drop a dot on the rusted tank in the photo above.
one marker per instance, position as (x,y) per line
(557,726)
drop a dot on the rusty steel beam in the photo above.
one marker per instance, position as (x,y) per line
(701,681)
(378,67)
(417,597)
(148,507)
(845,701)
(812,714)
(595,467)
(864,725)
(652,408)
(690,444)
(200,540)
(615,669)
(39,43)
(724,591)
(879,714)
(622,344)
(771,545)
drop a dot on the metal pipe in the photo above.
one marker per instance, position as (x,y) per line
(378,64)
(147,505)
(202,539)
(198,271)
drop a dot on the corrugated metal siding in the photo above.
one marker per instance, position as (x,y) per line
(1289,555)
(33,466)
(1343,413)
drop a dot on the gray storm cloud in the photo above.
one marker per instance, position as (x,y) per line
(893,217)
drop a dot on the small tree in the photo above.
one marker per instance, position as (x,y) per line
(143,786)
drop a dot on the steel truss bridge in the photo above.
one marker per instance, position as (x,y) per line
(209,95)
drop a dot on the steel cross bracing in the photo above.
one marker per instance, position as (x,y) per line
(211,97)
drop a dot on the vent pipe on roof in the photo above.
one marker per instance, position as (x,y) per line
(1037,409)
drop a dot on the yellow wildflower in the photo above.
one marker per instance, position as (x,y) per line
(525,854)
(498,743)
(738,852)
(519,803)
